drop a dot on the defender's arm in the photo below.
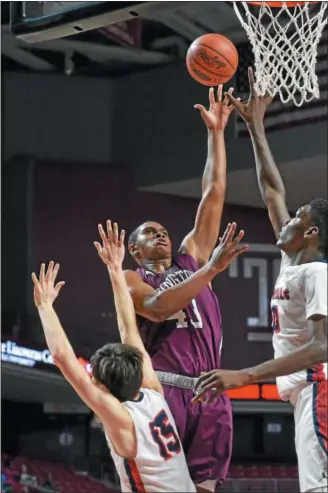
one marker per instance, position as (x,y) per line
(111,412)
(127,325)
(269,179)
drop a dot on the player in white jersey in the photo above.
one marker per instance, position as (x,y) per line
(299,310)
(124,391)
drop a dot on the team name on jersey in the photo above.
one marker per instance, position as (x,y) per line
(174,279)
(281,294)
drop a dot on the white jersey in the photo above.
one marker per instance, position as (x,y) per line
(300,292)
(160,464)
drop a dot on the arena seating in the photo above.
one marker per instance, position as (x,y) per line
(263,471)
(261,478)
(65,479)
(242,478)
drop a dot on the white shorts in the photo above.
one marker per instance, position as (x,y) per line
(311,436)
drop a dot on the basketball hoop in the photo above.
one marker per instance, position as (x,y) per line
(284,38)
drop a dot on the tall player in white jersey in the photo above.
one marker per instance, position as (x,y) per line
(124,391)
(299,309)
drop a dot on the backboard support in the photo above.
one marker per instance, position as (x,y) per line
(35,22)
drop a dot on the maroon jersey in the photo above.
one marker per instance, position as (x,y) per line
(190,341)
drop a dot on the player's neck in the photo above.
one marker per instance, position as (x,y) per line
(307,255)
(159,266)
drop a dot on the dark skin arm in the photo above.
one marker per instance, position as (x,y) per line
(159,306)
(309,355)
(268,176)
(200,242)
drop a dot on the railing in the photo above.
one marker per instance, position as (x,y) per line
(257,485)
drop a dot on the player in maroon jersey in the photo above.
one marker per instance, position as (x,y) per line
(179,315)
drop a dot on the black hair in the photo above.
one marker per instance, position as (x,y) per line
(319,215)
(133,238)
(119,368)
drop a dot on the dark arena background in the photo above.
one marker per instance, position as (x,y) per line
(98,122)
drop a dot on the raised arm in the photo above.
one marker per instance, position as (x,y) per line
(111,412)
(201,241)
(112,253)
(158,306)
(268,176)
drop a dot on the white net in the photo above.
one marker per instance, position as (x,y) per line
(285,41)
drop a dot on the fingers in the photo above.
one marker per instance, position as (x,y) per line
(109,229)
(226,98)
(42,275)
(49,271)
(240,250)
(251,79)
(59,285)
(238,238)
(54,273)
(236,103)
(115,235)
(34,279)
(231,233)
(122,238)
(37,292)
(102,234)
(98,247)
(225,234)
(203,378)
(211,96)
(219,93)
(202,110)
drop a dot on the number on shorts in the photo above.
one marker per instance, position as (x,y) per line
(275,319)
(165,435)
(183,319)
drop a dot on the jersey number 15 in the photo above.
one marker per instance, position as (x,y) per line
(165,435)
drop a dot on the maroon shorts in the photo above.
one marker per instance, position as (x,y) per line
(205,432)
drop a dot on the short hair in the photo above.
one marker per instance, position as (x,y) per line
(120,368)
(319,215)
(133,238)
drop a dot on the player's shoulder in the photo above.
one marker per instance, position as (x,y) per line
(314,268)
(186,261)
(151,393)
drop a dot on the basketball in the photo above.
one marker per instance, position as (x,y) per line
(212,59)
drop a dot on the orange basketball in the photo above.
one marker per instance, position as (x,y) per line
(212,59)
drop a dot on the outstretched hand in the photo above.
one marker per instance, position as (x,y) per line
(253,110)
(217,381)
(45,290)
(112,250)
(217,116)
(228,248)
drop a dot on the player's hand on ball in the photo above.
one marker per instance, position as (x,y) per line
(45,289)
(217,116)
(228,248)
(253,110)
(112,250)
(210,384)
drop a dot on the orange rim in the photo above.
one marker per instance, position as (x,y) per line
(280,4)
